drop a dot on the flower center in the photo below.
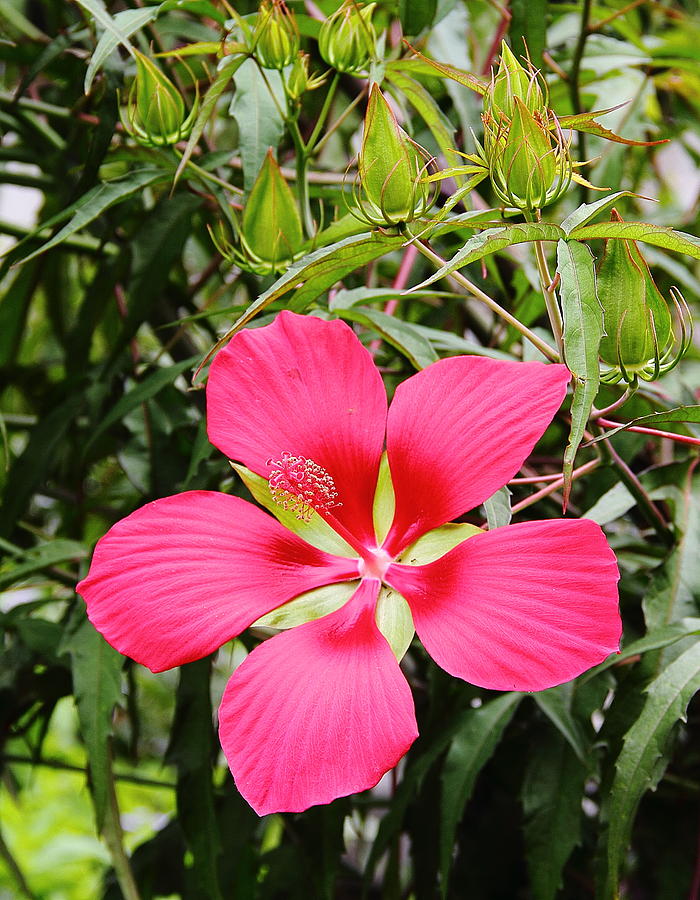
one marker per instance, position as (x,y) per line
(374,563)
(301,485)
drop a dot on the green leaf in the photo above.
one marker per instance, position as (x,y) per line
(191,749)
(555,703)
(126,23)
(588,211)
(471,748)
(317,271)
(259,116)
(590,126)
(416,15)
(645,755)
(690,414)
(97,201)
(96,669)
(396,332)
(141,392)
(497,508)
(658,235)
(225,71)
(491,241)
(583,330)
(98,11)
(38,558)
(656,639)
(422,100)
(432,67)
(552,790)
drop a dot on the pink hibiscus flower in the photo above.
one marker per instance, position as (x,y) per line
(322,710)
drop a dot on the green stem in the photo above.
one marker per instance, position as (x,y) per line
(320,122)
(548,291)
(302,162)
(208,176)
(339,121)
(113,838)
(475,291)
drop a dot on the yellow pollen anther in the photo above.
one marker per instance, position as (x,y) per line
(302,486)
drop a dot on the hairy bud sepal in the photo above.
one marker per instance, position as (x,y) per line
(271,234)
(155,113)
(391,185)
(639,340)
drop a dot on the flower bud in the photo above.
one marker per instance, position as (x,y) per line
(346,40)
(639,339)
(300,80)
(276,36)
(155,111)
(390,188)
(271,229)
(510,82)
(530,166)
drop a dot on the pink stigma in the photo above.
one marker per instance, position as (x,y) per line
(301,485)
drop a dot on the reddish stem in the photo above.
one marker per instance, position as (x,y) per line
(399,284)
(640,429)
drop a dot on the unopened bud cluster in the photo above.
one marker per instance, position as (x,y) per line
(524,148)
(276,36)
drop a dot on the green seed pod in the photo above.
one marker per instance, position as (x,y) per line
(346,40)
(530,166)
(276,36)
(513,81)
(155,112)
(391,167)
(271,230)
(637,319)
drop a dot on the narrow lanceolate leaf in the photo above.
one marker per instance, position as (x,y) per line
(688,414)
(590,126)
(141,392)
(423,102)
(556,703)
(451,72)
(191,750)
(675,589)
(96,669)
(98,11)
(224,73)
(588,211)
(583,330)
(315,272)
(645,756)
(491,241)
(402,335)
(470,750)
(658,235)
(656,639)
(39,558)
(551,795)
(127,22)
(91,205)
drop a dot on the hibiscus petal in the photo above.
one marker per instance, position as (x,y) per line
(520,608)
(317,712)
(309,388)
(459,430)
(179,577)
